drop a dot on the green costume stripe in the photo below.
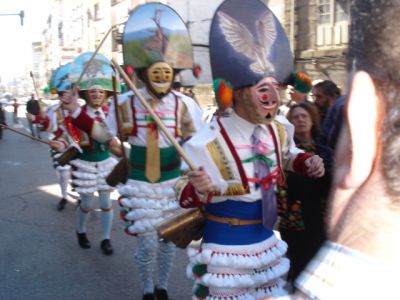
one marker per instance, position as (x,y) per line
(99,152)
(169,160)
(267,160)
(150,119)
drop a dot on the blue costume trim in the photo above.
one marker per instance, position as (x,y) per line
(224,234)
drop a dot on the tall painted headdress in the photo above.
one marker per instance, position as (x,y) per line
(154,33)
(59,80)
(248,43)
(98,72)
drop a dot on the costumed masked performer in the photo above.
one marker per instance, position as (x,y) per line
(55,122)
(94,164)
(148,197)
(242,156)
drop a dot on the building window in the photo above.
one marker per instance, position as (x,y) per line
(60,35)
(340,15)
(324,11)
(332,24)
(97,15)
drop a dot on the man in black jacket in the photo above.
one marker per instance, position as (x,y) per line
(2,119)
(33,108)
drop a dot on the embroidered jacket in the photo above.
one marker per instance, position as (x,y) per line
(228,156)
(61,124)
(179,113)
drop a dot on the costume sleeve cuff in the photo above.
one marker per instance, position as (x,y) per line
(189,198)
(37,119)
(299,166)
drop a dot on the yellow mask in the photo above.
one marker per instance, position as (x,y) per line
(160,77)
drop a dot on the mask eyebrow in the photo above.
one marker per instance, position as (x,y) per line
(262,85)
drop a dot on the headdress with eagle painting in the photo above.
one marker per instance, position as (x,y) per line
(247,43)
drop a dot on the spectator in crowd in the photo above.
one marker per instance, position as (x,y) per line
(331,127)
(15,110)
(325,94)
(33,108)
(302,201)
(2,119)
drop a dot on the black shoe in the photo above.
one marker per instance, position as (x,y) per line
(161,294)
(106,247)
(83,240)
(148,297)
(61,204)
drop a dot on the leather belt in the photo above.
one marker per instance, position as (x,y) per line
(232,221)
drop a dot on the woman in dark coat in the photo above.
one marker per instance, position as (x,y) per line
(302,201)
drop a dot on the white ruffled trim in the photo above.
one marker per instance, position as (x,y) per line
(254,256)
(149,203)
(241,271)
(164,205)
(144,226)
(244,278)
(142,189)
(84,183)
(245,296)
(271,291)
(274,289)
(85,166)
(95,167)
(141,213)
(90,176)
(103,175)
(241,297)
(101,181)
(107,165)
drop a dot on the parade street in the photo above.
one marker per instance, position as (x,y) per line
(40,256)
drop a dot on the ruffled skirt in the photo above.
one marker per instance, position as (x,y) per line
(89,177)
(144,204)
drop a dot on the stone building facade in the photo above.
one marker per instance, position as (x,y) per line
(317,30)
(318,33)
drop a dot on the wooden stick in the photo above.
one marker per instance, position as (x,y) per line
(34,85)
(119,128)
(76,84)
(92,57)
(160,124)
(24,134)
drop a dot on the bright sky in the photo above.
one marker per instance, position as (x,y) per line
(16,40)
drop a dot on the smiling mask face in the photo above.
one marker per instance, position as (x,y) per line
(265,98)
(96,96)
(160,77)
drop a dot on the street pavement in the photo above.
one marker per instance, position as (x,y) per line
(39,254)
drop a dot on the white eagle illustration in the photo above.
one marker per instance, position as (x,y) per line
(255,48)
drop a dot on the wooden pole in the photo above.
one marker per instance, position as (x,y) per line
(76,84)
(155,117)
(119,128)
(34,85)
(24,134)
